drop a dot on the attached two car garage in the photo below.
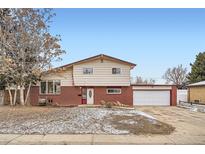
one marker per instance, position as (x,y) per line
(159,95)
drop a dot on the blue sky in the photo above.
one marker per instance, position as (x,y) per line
(154,39)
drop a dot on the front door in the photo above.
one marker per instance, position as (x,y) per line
(90,96)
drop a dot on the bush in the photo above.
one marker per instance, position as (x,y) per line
(110,104)
(102,102)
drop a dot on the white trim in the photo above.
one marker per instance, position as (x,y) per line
(90,100)
(152,87)
(120,91)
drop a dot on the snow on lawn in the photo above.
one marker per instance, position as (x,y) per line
(45,120)
(134,112)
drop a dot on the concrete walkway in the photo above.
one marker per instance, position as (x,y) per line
(9,139)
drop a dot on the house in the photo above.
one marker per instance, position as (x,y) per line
(196,92)
(88,81)
(102,77)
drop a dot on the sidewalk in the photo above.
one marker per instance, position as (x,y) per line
(12,139)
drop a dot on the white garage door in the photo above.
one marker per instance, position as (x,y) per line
(151,97)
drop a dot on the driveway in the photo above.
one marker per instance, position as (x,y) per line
(189,125)
(189,129)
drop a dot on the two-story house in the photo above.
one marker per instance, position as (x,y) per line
(87,81)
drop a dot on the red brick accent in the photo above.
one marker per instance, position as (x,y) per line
(126,97)
(174,96)
(69,96)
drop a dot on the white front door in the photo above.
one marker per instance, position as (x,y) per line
(90,96)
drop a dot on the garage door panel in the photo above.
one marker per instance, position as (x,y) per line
(151,97)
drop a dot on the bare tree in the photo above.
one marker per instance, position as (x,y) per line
(28,46)
(176,75)
(140,80)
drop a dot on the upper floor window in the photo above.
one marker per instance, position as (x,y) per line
(87,70)
(50,87)
(116,70)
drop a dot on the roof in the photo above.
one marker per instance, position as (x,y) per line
(202,83)
(96,57)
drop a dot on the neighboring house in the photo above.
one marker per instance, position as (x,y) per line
(88,81)
(196,92)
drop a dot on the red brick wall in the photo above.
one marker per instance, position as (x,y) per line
(69,96)
(174,96)
(126,97)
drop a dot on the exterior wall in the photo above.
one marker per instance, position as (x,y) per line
(173,96)
(69,96)
(126,97)
(66,77)
(197,93)
(102,74)
(72,96)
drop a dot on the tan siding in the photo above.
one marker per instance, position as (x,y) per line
(102,74)
(197,93)
(65,77)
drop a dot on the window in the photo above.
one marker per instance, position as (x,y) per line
(57,87)
(50,87)
(87,70)
(113,91)
(116,71)
(43,87)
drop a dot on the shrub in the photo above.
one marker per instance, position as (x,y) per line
(102,102)
(108,104)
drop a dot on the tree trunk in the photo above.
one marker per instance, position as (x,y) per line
(22,95)
(10,96)
(15,94)
(27,93)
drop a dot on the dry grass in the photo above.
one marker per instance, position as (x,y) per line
(141,125)
(50,120)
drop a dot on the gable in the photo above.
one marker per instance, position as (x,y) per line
(100,57)
(102,74)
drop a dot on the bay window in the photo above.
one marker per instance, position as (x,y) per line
(50,87)
(43,87)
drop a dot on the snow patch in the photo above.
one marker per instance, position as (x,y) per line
(132,122)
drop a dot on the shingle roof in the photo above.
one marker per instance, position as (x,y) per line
(202,83)
(99,56)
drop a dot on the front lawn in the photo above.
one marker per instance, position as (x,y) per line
(49,120)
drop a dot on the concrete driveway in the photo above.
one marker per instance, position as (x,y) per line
(190,125)
(190,129)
